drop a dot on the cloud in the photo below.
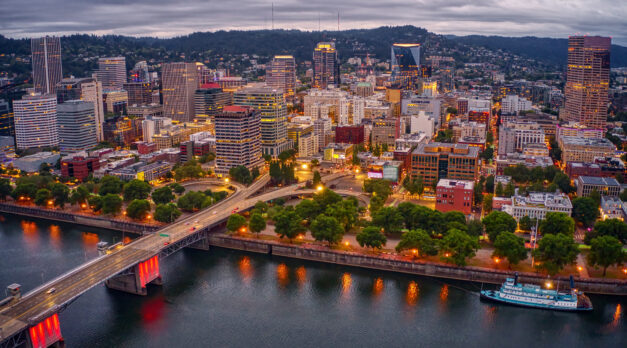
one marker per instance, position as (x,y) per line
(167,18)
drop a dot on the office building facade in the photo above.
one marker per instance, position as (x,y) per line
(281,74)
(7,124)
(405,64)
(46,63)
(112,72)
(238,138)
(587,80)
(273,110)
(77,126)
(437,161)
(36,121)
(326,65)
(179,83)
(209,100)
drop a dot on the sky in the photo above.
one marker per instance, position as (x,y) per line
(168,18)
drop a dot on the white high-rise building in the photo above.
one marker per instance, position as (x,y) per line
(513,136)
(36,121)
(322,127)
(77,126)
(422,123)
(92,91)
(512,104)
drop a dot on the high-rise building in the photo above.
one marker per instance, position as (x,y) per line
(587,80)
(179,83)
(36,121)
(385,131)
(281,74)
(139,93)
(88,89)
(326,65)
(46,61)
(209,99)
(112,72)
(322,131)
(238,138)
(77,126)
(405,64)
(271,105)
(513,136)
(7,126)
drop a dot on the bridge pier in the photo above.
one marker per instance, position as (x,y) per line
(135,281)
(46,333)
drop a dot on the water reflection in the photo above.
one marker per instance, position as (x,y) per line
(377,287)
(152,314)
(282,275)
(411,297)
(31,234)
(245,269)
(90,240)
(301,275)
(346,284)
(443,296)
(55,236)
(489,316)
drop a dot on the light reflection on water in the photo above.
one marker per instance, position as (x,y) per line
(245,269)
(282,275)
(411,297)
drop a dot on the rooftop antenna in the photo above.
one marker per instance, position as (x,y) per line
(318,20)
(338,20)
(272,16)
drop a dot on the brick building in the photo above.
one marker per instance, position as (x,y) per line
(454,195)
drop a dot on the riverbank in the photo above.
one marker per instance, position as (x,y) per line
(79,219)
(394,263)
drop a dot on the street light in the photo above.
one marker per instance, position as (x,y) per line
(320,188)
(304,166)
(226,180)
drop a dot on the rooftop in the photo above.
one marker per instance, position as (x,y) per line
(449,183)
(587,141)
(597,181)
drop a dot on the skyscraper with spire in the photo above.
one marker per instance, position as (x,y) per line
(46,62)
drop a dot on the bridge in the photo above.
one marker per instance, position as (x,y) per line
(32,319)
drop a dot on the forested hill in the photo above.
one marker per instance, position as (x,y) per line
(300,43)
(553,51)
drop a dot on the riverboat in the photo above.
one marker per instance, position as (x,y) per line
(528,295)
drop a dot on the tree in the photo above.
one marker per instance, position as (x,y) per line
(488,153)
(610,227)
(457,246)
(136,189)
(254,174)
(308,210)
(371,237)
(555,251)
(111,204)
(376,203)
(606,251)
(261,206)
(286,155)
(345,212)
(5,188)
(596,197)
(167,212)
(475,228)
(478,193)
(455,216)
(192,201)
(499,190)
(585,210)
(162,195)
(315,162)
(556,222)
(138,209)
(326,228)
(389,219)
(509,190)
(42,197)
(177,188)
(110,184)
(189,170)
(563,182)
(623,195)
(497,222)
(80,195)
(24,190)
(511,247)
(445,136)
(95,202)
(316,178)
(525,223)
(241,174)
(418,240)
(489,138)
(487,203)
(257,223)
(275,172)
(288,224)
(415,186)
(235,222)
(489,183)
(60,193)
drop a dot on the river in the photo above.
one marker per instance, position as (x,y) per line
(224,298)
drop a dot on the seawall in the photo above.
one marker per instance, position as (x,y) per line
(85,220)
(389,263)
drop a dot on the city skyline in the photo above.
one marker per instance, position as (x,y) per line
(166,19)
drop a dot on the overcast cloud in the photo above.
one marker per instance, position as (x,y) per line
(167,18)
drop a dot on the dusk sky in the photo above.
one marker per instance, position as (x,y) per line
(167,18)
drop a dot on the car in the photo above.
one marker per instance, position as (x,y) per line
(194,228)
(187,223)
(196,221)
(215,212)
(166,243)
(51,291)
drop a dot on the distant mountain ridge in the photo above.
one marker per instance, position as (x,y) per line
(375,41)
(548,49)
